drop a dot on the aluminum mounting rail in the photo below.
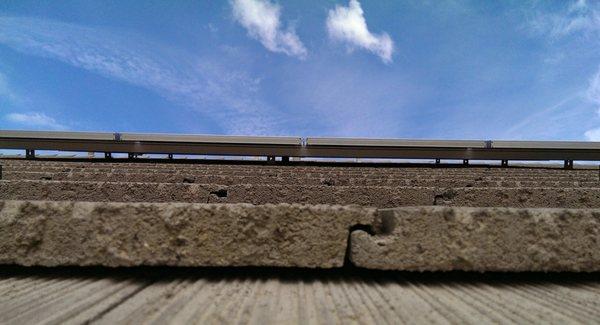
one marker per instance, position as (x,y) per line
(453,149)
(139,143)
(394,148)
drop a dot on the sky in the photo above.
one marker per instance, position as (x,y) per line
(447,69)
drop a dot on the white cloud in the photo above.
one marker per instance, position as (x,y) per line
(261,19)
(224,96)
(348,24)
(593,134)
(35,119)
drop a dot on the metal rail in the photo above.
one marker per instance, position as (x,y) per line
(133,143)
(137,143)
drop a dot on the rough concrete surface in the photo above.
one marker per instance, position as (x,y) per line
(375,196)
(114,234)
(275,296)
(409,238)
(126,234)
(307,175)
(218,165)
(158,176)
(480,239)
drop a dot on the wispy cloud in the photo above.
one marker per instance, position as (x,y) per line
(262,20)
(201,84)
(593,90)
(34,119)
(576,18)
(546,122)
(573,22)
(348,25)
(6,92)
(593,95)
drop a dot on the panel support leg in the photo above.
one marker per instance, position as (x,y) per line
(285,159)
(568,164)
(271,159)
(504,162)
(438,161)
(29,153)
(131,155)
(465,162)
(170,156)
(107,155)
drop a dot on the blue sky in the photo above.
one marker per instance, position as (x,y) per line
(403,69)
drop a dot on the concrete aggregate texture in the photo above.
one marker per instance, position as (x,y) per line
(114,234)
(316,179)
(181,234)
(375,196)
(383,187)
(480,239)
